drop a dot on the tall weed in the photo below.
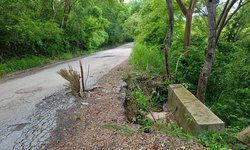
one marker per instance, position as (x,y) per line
(147,58)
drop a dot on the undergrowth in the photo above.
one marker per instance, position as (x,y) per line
(227,93)
(148,93)
(19,64)
(13,65)
(222,140)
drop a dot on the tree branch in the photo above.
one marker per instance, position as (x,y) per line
(221,14)
(202,12)
(192,4)
(182,7)
(53,10)
(235,11)
(222,20)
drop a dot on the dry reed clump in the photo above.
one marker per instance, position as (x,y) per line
(73,78)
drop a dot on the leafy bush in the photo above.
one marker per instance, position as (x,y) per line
(228,89)
(35,38)
(186,70)
(222,140)
(141,101)
(66,56)
(213,140)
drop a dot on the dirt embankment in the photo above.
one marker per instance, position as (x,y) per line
(101,123)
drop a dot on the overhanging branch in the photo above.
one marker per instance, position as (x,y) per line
(182,7)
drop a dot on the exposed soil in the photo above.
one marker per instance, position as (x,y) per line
(101,123)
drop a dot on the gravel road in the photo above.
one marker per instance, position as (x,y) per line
(29,101)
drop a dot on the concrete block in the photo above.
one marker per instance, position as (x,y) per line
(157,115)
(191,114)
(244,136)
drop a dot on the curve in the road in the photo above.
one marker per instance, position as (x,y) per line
(19,96)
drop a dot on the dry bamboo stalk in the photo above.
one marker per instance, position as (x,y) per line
(82,75)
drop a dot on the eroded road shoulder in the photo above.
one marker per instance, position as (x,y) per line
(102,125)
(34,132)
(29,104)
(43,121)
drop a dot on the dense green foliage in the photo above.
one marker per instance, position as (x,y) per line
(32,29)
(228,85)
(148,28)
(228,93)
(32,34)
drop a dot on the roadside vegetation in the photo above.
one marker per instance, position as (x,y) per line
(34,33)
(203,45)
(227,91)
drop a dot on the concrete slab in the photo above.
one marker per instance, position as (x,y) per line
(191,114)
(157,115)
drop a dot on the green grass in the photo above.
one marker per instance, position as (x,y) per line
(174,130)
(18,64)
(124,130)
(147,58)
(222,140)
(67,56)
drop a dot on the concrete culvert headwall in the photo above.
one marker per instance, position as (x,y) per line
(191,114)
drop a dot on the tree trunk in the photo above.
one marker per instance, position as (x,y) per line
(188,14)
(66,13)
(210,51)
(53,10)
(168,37)
(187,30)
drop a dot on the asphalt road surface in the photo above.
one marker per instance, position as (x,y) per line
(20,95)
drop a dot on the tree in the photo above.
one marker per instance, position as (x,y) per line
(210,51)
(237,29)
(54,6)
(226,16)
(66,12)
(52,27)
(168,37)
(188,13)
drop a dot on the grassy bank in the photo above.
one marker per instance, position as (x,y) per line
(19,64)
